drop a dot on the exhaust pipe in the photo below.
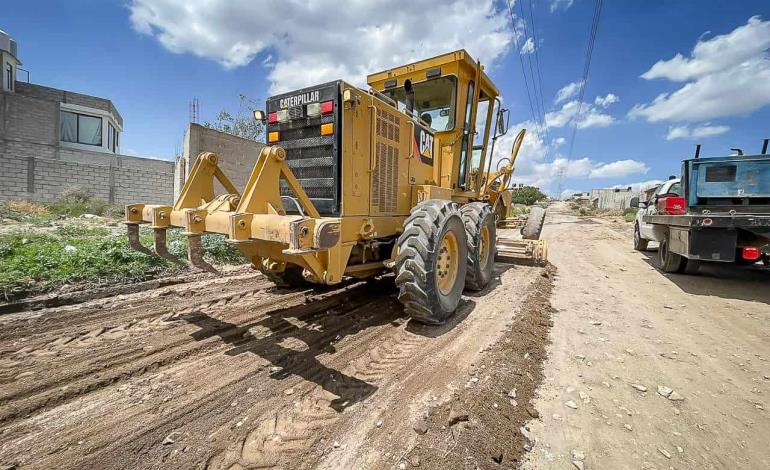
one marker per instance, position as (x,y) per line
(764,146)
(697,151)
(409,96)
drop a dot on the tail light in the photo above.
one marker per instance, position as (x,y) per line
(672,205)
(272,118)
(313,110)
(751,253)
(327,107)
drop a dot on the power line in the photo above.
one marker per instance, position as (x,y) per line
(586,69)
(539,75)
(521,61)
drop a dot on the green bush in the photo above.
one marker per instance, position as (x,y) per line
(75,202)
(528,195)
(630,214)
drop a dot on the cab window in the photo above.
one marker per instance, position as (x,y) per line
(676,188)
(434,101)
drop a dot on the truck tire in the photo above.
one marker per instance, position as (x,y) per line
(431,261)
(480,231)
(689,266)
(534,226)
(669,262)
(640,244)
(290,278)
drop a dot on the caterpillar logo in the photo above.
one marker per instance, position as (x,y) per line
(296,100)
(424,144)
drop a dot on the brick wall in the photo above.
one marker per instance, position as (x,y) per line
(237,156)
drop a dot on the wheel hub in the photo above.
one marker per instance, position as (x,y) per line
(447,263)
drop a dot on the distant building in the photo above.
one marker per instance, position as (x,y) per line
(52,140)
(613,198)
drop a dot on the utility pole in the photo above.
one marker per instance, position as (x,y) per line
(560,176)
(194,110)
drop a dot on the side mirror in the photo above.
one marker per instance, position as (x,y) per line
(634,202)
(259,115)
(503,117)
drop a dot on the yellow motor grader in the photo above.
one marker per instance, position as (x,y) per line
(354,183)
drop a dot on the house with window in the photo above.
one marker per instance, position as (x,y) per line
(53,139)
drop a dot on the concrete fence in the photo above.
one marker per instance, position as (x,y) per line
(121,180)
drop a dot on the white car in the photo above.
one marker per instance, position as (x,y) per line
(643,232)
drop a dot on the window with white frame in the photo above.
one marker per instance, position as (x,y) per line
(81,128)
(112,138)
(9,75)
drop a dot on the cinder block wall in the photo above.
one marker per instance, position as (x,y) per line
(237,156)
(33,166)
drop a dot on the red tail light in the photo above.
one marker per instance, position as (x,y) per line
(672,205)
(272,117)
(751,253)
(327,107)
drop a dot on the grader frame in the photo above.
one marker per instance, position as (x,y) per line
(394,182)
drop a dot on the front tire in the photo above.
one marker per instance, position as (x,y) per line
(431,261)
(481,233)
(669,262)
(640,244)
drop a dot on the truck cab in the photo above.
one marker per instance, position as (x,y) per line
(645,232)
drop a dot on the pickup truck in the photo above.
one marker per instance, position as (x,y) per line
(718,211)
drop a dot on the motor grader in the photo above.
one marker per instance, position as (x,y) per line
(356,183)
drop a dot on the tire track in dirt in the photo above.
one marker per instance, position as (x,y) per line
(258,378)
(219,334)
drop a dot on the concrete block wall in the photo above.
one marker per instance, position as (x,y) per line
(237,156)
(44,180)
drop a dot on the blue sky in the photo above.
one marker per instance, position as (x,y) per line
(151,57)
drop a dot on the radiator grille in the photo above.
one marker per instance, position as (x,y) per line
(313,158)
(385,174)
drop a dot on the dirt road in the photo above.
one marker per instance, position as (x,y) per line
(643,370)
(623,329)
(233,373)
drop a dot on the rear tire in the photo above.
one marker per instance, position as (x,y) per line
(481,233)
(669,262)
(431,262)
(689,266)
(640,244)
(534,226)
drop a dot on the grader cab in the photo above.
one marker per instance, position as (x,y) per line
(354,183)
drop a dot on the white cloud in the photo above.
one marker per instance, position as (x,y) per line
(605,101)
(618,169)
(312,42)
(726,75)
(568,91)
(639,185)
(528,47)
(590,115)
(560,4)
(532,167)
(698,132)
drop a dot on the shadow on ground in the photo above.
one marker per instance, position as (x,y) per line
(727,281)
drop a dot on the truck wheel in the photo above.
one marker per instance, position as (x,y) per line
(480,231)
(431,262)
(640,244)
(291,277)
(689,266)
(669,262)
(531,230)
